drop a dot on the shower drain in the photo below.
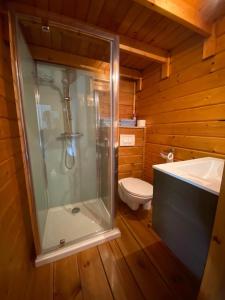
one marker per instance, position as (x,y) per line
(75,210)
(62,242)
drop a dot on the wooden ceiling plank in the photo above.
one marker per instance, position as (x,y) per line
(126,44)
(151,23)
(120,14)
(56,40)
(66,44)
(81,9)
(181,12)
(36,36)
(161,27)
(172,36)
(138,23)
(130,17)
(107,15)
(179,37)
(46,39)
(84,47)
(166,33)
(69,8)
(55,6)
(94,11)
(43,4)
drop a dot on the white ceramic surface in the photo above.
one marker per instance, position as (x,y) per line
(205,172)
(62,224)
(131,198)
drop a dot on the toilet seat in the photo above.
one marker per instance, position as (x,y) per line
(137,187)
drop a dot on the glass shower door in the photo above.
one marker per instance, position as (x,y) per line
(69,115)
(75,147)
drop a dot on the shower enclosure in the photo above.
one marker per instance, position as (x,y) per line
(68,113)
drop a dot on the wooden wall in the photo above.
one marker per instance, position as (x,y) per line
(126,98)
(187,110)
(15,235)
(131,158)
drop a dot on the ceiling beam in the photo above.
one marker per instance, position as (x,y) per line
(68,59)
(181,12)
(126,44)
(80,62)
(143,49)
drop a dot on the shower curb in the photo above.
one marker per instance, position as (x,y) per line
(60,253)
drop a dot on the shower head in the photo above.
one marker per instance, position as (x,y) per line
(48,80)
(69,77)
(45,79)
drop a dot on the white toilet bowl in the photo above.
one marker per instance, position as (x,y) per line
(134,192)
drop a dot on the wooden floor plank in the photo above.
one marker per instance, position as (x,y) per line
(41,286)
(67,285)
(148,279)
(121,280)
(94,282)
(136,266)
(179,279)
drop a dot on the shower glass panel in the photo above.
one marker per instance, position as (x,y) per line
(36,159)
(68,113)
(73,144)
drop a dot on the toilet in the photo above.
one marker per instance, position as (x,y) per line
(135,192)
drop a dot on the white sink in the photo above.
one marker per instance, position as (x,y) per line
(205,173)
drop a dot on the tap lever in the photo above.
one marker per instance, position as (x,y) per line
(169,156)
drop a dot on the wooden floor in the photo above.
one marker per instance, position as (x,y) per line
(136,266)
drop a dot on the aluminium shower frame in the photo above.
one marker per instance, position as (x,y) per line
(85,29)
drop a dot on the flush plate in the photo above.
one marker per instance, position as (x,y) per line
(127,140)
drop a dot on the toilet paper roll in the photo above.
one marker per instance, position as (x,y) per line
(141,123)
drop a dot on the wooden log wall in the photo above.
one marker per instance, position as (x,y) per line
(187,110)
(126,99)
(16,242)
(131,159)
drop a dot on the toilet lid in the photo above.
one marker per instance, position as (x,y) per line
(137,187)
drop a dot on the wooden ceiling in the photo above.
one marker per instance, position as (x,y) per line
(65,41)
(77,44)
(124,17)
